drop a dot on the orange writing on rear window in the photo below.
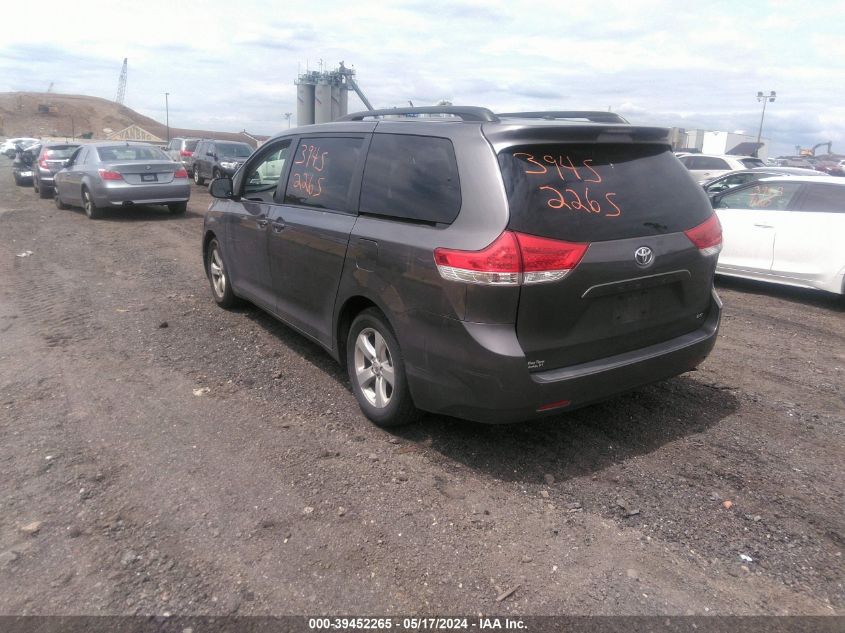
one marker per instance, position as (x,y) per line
(573,193)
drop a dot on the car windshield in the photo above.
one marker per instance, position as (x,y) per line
(234,150)
(59,152)
(130,153)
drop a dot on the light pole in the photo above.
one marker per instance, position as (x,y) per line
(167,114)
(765,99)
(287,116)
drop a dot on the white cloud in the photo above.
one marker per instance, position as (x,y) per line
(658,62)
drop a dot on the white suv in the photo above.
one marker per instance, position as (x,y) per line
(706,166)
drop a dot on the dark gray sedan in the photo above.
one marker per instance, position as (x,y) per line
(110,175)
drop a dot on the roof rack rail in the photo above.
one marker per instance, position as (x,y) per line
(596,116)
(466,113)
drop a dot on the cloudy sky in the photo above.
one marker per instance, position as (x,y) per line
(231,65)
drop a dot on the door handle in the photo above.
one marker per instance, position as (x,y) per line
(764,226)
(278,227)
(262,224)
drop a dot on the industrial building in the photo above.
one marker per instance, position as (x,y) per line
(323,96)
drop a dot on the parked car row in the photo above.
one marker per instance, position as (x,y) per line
(100,176)
(499,268)
(205,159)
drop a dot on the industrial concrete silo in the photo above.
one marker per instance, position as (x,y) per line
(323,101)
(304,103)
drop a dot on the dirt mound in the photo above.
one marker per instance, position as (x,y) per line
(49,114)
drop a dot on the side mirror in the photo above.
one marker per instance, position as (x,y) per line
(221,188)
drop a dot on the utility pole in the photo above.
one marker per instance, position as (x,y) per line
(167,114)
(287,116)
(765,99)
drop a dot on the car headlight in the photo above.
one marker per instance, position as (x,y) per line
(228,165)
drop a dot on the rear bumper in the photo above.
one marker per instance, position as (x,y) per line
(478,371)
(126,194)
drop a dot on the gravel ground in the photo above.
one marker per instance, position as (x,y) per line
(160,455)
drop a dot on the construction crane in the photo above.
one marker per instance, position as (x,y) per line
(121,83)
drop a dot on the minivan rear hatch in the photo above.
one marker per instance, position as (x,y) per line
(641,280)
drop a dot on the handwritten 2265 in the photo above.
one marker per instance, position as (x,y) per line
(562,197)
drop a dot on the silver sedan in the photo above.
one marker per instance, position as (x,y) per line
(99,176)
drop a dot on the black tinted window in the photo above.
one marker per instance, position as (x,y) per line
(322,173)
(596,192)
(413,177)
(825,198)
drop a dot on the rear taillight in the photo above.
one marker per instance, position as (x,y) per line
(707,236)
(185,152)
(512,259)
(105,174)
(497,264)
(547,260)
(181,173)
(43,163)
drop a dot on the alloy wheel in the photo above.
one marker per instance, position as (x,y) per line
(218,273)
(374,368)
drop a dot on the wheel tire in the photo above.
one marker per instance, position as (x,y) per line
(43,192)
(197,178)
(371,348)
(215,270)
(91,209)
(216,173)
(58,200)
(178,208)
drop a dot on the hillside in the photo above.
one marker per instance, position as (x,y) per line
(51,114)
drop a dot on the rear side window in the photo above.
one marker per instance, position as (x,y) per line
(824,198)
(411,177)
(597,192)
(323,171)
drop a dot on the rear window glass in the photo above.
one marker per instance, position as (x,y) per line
(130,152)
(191,145)
(59,152)
(233,150)
(411,177)
(597,192)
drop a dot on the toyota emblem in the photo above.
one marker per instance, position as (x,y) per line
(644,256)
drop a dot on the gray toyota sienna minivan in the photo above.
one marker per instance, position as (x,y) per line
(493,267)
